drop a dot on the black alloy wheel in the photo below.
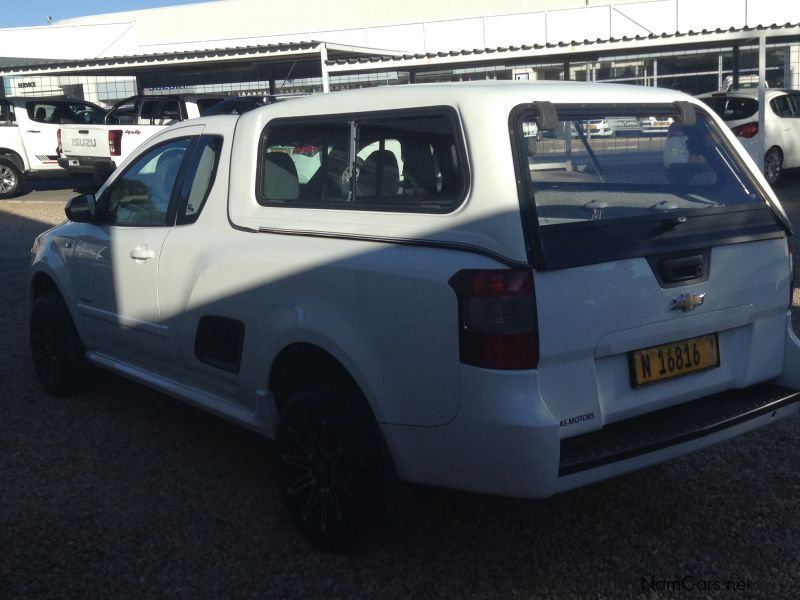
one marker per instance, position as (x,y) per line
(56,348)
(329,468)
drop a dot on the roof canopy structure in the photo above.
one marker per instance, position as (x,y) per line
(568,51)
(241,63)
(319,59)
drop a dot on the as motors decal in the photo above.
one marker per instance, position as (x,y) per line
(578,419)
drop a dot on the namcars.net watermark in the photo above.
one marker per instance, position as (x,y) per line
(690,583)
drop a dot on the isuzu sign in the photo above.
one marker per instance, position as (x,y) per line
(88,142)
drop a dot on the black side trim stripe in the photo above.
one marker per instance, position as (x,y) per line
(671,426)
(399,241)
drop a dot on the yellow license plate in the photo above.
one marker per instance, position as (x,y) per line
(659,363)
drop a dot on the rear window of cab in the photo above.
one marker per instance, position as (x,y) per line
(59,112)
(394,161)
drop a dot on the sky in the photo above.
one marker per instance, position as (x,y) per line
(35,12)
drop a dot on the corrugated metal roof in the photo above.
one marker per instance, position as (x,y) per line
(599,44)
(372,58)
(145,59)
(10,61)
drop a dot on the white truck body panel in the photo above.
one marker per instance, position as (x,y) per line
(373,290)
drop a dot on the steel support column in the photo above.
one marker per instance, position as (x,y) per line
(762,82)
(323,60)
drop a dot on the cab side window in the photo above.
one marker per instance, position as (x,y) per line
(401,162)
(141,196)
(123,113)
(306,164)
(41,112)
(80,113)
(160,111)
(201,170)
(6,112)
(408,163)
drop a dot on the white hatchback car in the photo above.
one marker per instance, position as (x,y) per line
(739,109)
(414,280)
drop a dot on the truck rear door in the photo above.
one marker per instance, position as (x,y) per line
(85,140)
(661,272)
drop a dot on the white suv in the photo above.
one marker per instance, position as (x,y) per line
(412,280)
(739,109)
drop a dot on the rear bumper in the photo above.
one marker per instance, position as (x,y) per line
(673,426)
(506,442)
(87,165)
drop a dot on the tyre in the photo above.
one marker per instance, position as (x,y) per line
(10,178)
(773,164)
(329,468)
(56,348)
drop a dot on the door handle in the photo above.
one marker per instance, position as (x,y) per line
(34,130)
(142,253)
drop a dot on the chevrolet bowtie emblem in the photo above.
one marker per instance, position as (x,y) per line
(687,302)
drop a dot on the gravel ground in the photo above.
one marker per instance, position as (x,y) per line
(121,492)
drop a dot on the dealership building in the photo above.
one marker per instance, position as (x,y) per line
(254,47)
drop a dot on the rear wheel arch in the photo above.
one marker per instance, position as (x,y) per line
(14,157)
(304,366)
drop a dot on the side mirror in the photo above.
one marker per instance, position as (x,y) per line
(81,209)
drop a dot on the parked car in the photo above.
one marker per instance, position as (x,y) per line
(613,126)
(28,136)
(411,281)
(97,150)
(739,109)
(656,125)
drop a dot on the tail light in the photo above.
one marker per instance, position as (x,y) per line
(747,130)
(58,137)
(114,142)
(497,318)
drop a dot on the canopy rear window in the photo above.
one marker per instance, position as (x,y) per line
(583,183)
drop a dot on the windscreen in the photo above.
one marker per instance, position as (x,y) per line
(589,168)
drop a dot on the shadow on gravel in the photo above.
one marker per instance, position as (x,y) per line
(147,496)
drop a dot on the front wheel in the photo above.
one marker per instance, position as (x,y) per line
(773,163)
(58,354)
(10,178)
(329,468)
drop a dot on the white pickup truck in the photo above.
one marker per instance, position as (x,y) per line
(28,136)
(99,149)
(405,280)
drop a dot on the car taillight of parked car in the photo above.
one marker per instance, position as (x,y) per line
(58,138)
(115,142)
(747,130)
(497,318)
